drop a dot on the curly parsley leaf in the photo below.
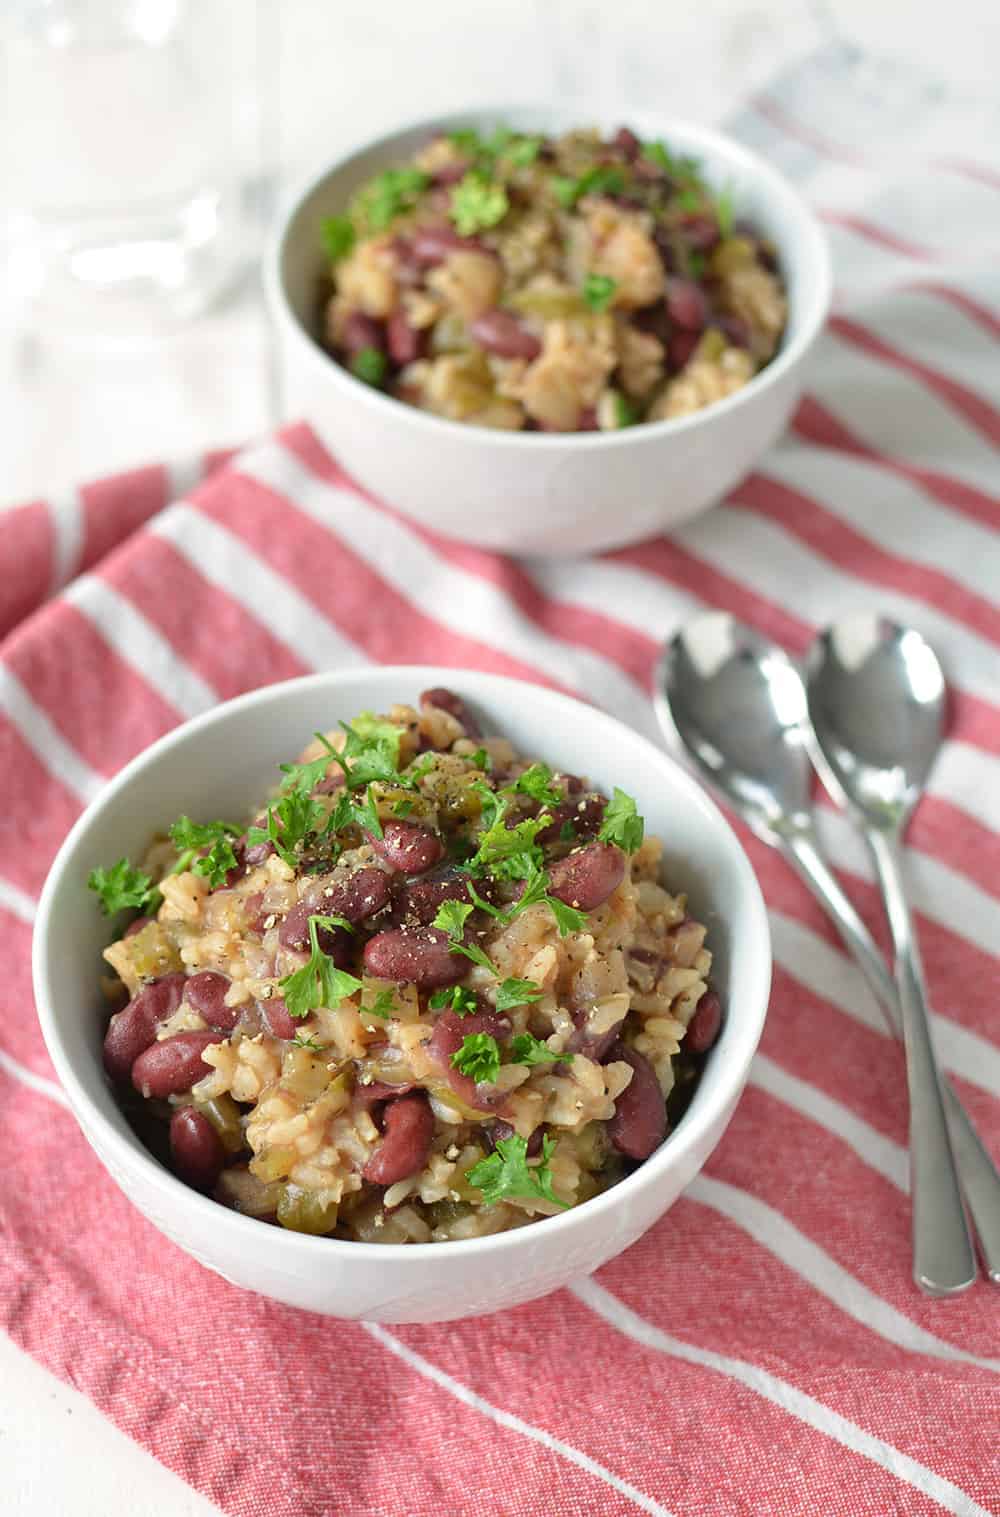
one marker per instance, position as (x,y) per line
(568,919)
(478,1057)
(481,760)
(292,819)
(320,982)
(387,196)
(622,823)
(305,777)
(524,1049)
(506,1173)
(504,851)
(599,291)
(450,918)
(338,236)
(122,886)
(476,203)
(188,836)
(725,210)
(536,888)
(456,998)
(536,781)
(370,366)
(511,993)
(603,179)
(382,1004)
(349,811)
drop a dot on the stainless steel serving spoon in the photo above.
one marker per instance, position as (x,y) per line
(877,698)
(736,705)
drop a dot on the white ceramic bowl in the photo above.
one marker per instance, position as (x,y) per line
(221,764)
(536,492)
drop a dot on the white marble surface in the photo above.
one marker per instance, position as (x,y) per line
(66,415)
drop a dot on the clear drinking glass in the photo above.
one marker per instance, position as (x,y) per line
(127,153)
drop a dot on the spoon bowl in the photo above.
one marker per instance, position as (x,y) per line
(736,704)
(877,699)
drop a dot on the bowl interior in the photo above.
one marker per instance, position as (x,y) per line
(223,763)
(297,264)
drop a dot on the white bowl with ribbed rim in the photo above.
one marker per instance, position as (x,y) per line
(221,764)
(538,492)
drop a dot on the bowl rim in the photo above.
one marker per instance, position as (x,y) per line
(815,254)
(134,1159)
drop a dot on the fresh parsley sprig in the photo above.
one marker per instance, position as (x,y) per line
(622,823)
(536,781)
(525,1049)
(320,982)
(289,822)
(338,235)
(387,196)
(122,886)
(450,919)
(478,1057)
(603,179)
(456,998)
(506,1173)
(477,203)
(190,837)
(511,993)
(599,291)
(382,1006)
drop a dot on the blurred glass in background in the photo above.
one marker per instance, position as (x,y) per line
(132,135)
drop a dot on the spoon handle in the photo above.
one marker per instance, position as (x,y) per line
(979,1175)
(944,1261)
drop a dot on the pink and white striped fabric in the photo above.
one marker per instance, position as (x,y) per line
(761,1350)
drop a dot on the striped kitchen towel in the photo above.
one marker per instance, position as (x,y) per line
(761,1350)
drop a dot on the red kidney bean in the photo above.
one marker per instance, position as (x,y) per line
(280,1022)
(587,420)
(629,144)
(733,329)
(360,332)
(408,847)
(686,304)
(447,700)
(205,993)
(415,956)
(655,321)
(700,232)
(593,1045)
(195,1148)
(406,1142)
(294,933)
(586,877)
(501,332)
(680,348)
(405,342)
(418,901)
(175,1064)
(254,914)
(640,1121)
(449,1032)
(378,1091)
(666,247)
(704,1026)
(357,897)
(136,926)
(586,815)
(432,244)
(133,1029)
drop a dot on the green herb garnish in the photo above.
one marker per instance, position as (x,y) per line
(511,993)
(387,196)
(724,210)
(477,203)
(622,823)
(599,291)
(122,886)
(308,1040)
(338,236)
(536,781)
(524,1049)
(450,919)
(320,982)
(683,170)
(481,760)
(384,1005)
(217,837)
(506,1173)
(292,819)
(478,1057)
(456,998)
(603,179)
(369,366)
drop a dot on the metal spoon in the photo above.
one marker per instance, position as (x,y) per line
(735,704)
(877,702)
